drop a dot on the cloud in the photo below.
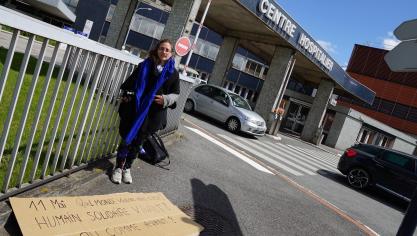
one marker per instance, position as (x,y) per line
(390,42)
(328,46)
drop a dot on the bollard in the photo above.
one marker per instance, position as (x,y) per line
(409,223)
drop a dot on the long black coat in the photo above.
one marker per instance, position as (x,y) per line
(157,115)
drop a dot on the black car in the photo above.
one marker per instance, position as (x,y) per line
(369,165)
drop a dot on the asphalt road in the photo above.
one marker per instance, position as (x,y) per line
(315,169)
(228,193)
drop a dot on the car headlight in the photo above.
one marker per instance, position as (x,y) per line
(253,121)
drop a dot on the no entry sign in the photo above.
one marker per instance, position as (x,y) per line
(182,46)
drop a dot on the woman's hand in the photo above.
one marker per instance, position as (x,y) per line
(125,98)
(159,99)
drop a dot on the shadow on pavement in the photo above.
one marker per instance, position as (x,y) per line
(371,192)
(213,210)
(11,226)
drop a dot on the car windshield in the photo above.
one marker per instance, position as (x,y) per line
(238,101)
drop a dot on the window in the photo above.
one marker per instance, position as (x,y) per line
(255,97)
(242,92)
(249,96)
(147,26)
(386,107)
(237,89)
(400,111)
(254,68)
(399,160)
(230,87)
(369,149)
(364,136)
(204,76)
(205,90)
(238,62)
(110,12)
(412,114)
(72,4)
(220,96)
(239,102)
(375,105)
(205,48)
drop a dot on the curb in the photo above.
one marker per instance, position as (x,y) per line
(71,182)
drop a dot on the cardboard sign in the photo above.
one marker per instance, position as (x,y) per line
(113,214)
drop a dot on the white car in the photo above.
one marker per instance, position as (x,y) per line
(226,107)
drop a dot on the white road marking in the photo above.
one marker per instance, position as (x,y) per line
(260,155)
(278,157)
(230,150)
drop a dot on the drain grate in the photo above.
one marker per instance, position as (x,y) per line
(213,223)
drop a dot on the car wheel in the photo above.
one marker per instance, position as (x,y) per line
(358,178)
(189,106)
(233,125)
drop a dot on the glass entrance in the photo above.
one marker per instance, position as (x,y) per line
(295,118)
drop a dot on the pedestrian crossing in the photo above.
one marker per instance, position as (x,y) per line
(292,159)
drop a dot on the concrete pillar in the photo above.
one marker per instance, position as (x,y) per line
(180,20)
(120,22)
(223,61)
(277,73)
(312,130)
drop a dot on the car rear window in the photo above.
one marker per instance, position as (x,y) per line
(369,149)
(399,160)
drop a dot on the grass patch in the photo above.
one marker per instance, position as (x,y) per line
(50,142)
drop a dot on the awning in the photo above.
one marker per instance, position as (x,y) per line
(54,7)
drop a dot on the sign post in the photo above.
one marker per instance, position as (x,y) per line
(403,58)
(196,37)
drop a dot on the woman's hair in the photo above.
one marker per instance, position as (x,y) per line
(153,54)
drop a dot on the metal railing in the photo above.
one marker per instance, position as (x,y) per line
(58,101)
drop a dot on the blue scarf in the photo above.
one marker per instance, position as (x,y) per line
(144,101)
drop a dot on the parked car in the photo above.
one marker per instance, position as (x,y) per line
(191,73)
(390,170)
(227,107)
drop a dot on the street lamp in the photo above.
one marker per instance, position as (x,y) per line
(130,24)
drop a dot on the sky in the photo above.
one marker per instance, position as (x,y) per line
(338,25)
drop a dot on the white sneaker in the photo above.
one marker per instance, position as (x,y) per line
(117,176)
(127,177)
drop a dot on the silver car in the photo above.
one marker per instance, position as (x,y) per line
(226,107)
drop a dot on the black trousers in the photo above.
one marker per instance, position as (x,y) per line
(127,153)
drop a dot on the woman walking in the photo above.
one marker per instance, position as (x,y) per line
(147,93)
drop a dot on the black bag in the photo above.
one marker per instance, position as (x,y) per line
(155,150)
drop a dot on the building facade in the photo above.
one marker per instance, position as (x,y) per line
(395,103)
(60,13)
(248,71)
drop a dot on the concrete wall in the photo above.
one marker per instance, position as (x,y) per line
(273,81)
(311,131)
(348,133)
(335,129)
(403,146)
(347,124)
(120,23)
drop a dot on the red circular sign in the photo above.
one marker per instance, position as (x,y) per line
(182,46)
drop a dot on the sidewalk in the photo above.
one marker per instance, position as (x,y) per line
(66,186)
